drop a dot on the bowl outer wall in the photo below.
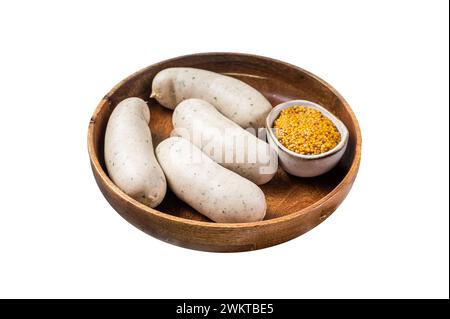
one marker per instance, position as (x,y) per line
(219,237)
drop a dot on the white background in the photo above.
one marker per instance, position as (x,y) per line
(60,238)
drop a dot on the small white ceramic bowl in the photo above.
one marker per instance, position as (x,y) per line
(306,165)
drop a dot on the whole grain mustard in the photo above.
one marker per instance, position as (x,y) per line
(306,131)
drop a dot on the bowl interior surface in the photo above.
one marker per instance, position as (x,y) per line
(279,82)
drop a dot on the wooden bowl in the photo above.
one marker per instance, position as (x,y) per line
(294,205)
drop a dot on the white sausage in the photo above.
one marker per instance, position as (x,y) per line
(233,98)
(212,190)
(224,141)
(129,155)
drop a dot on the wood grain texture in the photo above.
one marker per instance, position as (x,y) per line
(295,205)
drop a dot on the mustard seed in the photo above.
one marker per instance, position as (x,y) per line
(306,131)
